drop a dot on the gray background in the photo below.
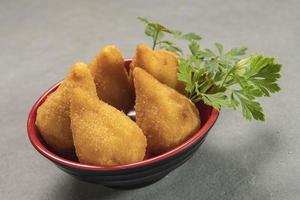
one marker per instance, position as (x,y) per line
(40,40)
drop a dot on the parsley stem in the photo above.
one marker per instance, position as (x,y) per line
(230,84)
(155,39)
(226,76)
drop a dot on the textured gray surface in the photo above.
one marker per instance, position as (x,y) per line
(39,41)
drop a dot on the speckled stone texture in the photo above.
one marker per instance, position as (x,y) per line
(40,40)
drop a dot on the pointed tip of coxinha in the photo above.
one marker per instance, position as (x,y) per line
(79,70)
(80,77)
(109,47)
(139,74)
(53,120)
(143,80)
(142,48)
(111,78)
(110,54)
(161,64)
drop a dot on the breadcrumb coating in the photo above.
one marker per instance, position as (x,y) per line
(53,116)
(166,117)
(161,64)
(111,79)
(102,134)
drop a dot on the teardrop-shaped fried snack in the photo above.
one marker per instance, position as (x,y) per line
(161,64)
(102,134)
(111,79)
(166,117)
(53,116)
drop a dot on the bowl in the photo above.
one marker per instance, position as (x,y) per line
(127,176)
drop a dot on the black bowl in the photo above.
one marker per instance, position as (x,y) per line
(128,176)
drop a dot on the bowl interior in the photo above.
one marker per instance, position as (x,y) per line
(208,116)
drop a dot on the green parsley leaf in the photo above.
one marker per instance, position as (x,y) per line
(158,32)
(190,37)
(228,80)
(261,74)
(236,52)
(222,78)
(217,100)
(194,48)
(143,19)
(185,75)
(177,34)
(251,109)
(170,46)
(220,48)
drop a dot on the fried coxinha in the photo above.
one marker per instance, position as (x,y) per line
(166,117)
(161,64)
(53,116)
(102,134)
(74,114)
(111,78)
(85,113)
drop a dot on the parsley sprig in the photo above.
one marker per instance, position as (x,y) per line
(220,78)
(158,33)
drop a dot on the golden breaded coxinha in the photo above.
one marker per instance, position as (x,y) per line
(161,64)
(53,116)
(111,79)
(102,134)
(166,117)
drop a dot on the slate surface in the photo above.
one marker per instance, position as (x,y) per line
(40,40)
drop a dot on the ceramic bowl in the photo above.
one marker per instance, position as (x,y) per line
(127,176)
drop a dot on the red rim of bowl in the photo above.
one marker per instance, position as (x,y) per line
(40,147)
